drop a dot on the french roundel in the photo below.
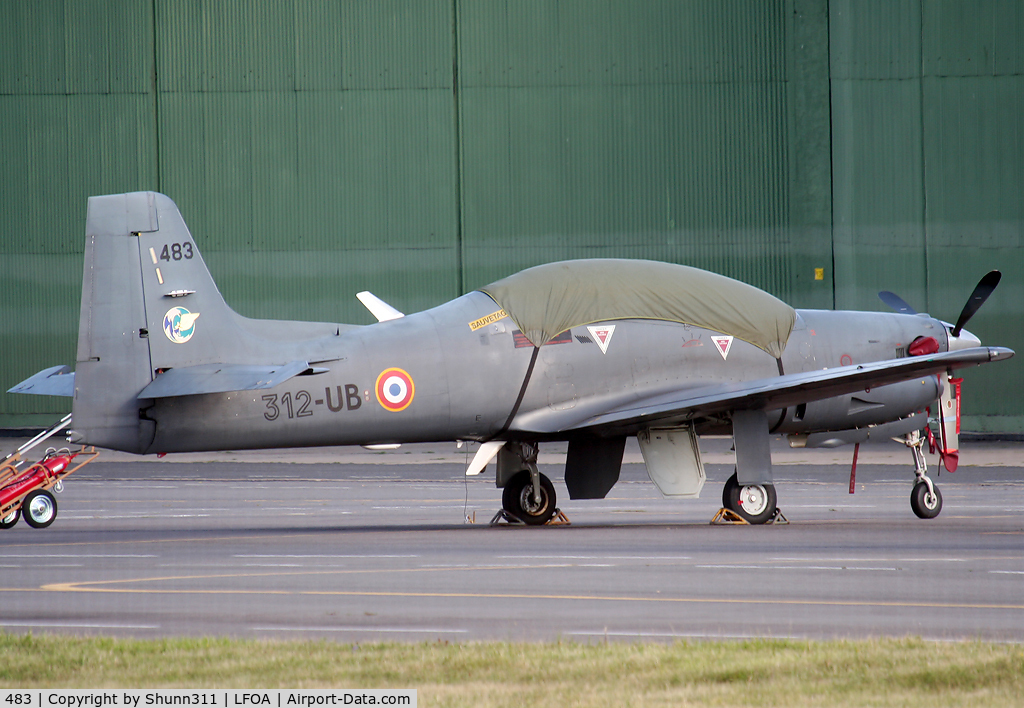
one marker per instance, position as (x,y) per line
(395,389)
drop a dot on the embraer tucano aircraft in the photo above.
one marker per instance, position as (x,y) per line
(586,351)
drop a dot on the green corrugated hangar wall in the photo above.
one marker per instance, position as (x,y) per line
(422,149)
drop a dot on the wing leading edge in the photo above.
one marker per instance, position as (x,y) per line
(766,394)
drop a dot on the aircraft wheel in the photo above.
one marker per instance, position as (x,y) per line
(10,520)
(755,502)
(925,505)
(39,509)
(517,499)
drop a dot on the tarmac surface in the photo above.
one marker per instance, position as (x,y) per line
(353,545)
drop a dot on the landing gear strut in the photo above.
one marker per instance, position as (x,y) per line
(755,503)
(925,499)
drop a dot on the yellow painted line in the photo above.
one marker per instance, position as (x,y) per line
(90,586)
(94,587)
(71,587)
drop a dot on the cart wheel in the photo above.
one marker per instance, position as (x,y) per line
(10,520)
(39,509)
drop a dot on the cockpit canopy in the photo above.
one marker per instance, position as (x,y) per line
(549,299)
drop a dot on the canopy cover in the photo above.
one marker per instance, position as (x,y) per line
(546,300)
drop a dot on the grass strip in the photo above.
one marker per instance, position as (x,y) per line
(884,672)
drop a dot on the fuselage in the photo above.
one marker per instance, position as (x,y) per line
(462,371)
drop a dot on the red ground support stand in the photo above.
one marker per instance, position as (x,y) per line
(31,486)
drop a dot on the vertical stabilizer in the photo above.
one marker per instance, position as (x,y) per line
(149,304)
(113,349)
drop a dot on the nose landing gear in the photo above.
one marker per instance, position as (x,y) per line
(925,499)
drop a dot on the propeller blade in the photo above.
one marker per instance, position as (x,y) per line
(981,292)
(896,302)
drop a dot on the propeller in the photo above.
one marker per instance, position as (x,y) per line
(981,292)
(896,302)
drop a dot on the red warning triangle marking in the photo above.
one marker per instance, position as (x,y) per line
(603,336)
(724,344)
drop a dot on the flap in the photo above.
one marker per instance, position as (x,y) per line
(220,378)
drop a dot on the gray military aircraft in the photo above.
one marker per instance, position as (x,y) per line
(587,351)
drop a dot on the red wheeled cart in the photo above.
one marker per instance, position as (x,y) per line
(25,492)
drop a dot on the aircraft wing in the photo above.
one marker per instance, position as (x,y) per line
(768,393)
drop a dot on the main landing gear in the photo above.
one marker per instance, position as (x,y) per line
(754,503)
(519,499)
(529,495)
(925,499)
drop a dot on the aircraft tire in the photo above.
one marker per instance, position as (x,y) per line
(759,500)
(517,499)
(39,509)
(10,520)
(925,505)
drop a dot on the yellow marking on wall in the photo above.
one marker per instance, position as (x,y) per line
(819,273)
(489,319)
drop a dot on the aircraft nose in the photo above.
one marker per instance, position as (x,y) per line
(966,340)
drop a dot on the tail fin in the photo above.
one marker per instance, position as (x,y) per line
(113,362)
(149,304)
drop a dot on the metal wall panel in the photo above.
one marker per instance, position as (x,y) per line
(928,169)
(320,133)
(76,119)
(39,296)
(108,47)
(878,194)
(620,177)
(600,42)
(875,39)
(877,163)
(808,157)
(245,45)
(965,38)
(656,130)
(974,217)
(396,44)
(33,48)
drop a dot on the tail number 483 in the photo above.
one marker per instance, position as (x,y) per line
(177,251)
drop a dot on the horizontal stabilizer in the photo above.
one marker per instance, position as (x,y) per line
(220,378)
(55,381)
(378,308)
